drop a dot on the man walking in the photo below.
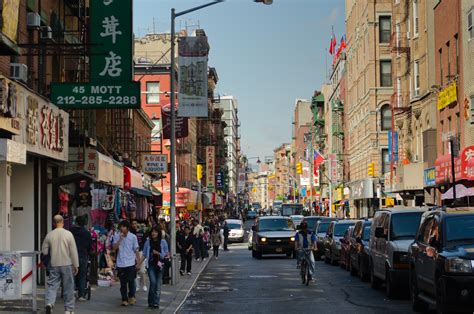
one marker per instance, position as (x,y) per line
(226,232)
(185,246)
(127,256)
(60,245)
(84,245)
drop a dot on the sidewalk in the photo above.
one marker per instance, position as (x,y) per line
(107,300)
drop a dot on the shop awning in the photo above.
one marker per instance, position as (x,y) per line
(461,191)
(141,192)
(71,178)
(132,179)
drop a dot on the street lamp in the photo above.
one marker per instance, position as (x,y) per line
(174,15)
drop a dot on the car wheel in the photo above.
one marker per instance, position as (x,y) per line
(440,301)
(289,254)
(374,281)
(254,254)
(258,254)
(326,258)
(333,261)
(390,288)
(361,273)
(352,270)
(416,304)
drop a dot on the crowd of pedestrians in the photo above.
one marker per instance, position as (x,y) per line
(138,252)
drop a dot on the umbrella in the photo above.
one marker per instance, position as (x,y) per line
(461,191)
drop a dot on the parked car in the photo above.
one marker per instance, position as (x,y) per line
(442,262)
(312,221)
(297,219)
(251,214)
(359,249)
(320,231)
(332,241)
(345,247)
(391,233)
(273,235)
(236,230)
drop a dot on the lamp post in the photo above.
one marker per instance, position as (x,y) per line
(174,15)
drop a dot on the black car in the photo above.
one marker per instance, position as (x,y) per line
(442,262)
(332,241)
(320,231)
(273,235)
(359,262)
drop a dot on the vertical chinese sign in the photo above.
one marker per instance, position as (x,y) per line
(210,168)
(111,84)
(192,97)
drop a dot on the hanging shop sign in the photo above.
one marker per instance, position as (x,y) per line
(467,163)
(13,152)
(210,168)
(132,179)
(305,176)
(101,167)
(10,12)
(393,146)
(192,97)
(220,180)
(111,84)
(429,177)
(155,163)
(182,125)
(447,96)
(362,189)
(241,179)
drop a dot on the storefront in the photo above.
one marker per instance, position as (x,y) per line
(363,198)
(137,194)
(35,148)
(186,203)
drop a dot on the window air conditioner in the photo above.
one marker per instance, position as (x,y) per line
(416,158)
(33,20)
(46,33)
(19,71)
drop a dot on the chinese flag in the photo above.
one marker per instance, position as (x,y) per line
(318,159)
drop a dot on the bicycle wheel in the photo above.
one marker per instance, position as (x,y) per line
(308,276)
(303,272)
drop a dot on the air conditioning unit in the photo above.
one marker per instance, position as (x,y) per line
(416,158)
(33,20)
(46,33)
(19,71)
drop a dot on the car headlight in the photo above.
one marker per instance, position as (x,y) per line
(263,239)
(292,239)
(458,265)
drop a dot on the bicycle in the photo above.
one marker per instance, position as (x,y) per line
(304,267)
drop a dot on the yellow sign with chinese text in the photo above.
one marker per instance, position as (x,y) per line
(10,18)
(447,96)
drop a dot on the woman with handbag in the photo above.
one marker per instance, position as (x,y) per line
(156,252)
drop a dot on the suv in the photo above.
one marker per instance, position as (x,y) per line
(392,231)
(320,230)
(332,242)
(273,235)
(442,262)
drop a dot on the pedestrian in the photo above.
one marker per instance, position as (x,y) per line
(138,231)
(60,246)
(185,245)
(84,246)
(155,251)
(198,242)
(126,246)
(216,241)
(226,232)
(206,243)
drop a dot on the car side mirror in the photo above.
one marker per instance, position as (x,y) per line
(254,228)
(379,233)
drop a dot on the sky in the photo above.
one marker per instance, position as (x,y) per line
(265,56)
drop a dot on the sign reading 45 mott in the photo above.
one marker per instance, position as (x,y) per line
(111,84)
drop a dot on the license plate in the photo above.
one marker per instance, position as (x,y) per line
(278,250)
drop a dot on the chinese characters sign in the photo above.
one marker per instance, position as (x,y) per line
(219,180)
(210,167)
(155,163)
(192,97)
(182,125)
(447,96)
(111,83)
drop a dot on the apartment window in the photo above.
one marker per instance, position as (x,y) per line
(472,109)
(417,78)
(385,28)
(441,66)
(415,18)
(470,28)
(456,37)
(449,59)
(399,92)
(442,130)
(386,73)
(153,92)
(397,34)
(385,161)
(386,117)
(156,132)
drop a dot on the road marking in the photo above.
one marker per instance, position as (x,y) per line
(263,276)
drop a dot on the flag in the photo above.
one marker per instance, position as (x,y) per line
(318,160)
(332,44)
(342,46)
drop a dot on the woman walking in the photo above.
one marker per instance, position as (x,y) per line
(216,242)
(155,251)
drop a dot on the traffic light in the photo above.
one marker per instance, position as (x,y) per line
(299,168)
(199,172)
(371,170)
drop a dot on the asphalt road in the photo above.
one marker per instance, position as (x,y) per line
(238,283)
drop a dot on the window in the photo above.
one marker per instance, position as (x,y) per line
(385,28)
(470,28)
(386,117)
(385,161)
(417,78)
(156,132)
(397,34)
(415,18)
(399,92)
(441,66)
(456,37)
(153,92)
(386,73)
(449,59)
(472,109)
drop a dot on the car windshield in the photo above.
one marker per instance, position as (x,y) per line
(323,227)
(233,225)
(276,225)
(404,225)
(460,229)
(339,229)
(366,234)
(311,222)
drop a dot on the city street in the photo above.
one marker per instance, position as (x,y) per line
(238,283)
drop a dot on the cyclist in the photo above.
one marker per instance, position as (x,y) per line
(305,240)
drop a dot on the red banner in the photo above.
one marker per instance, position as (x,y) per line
(463,167)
